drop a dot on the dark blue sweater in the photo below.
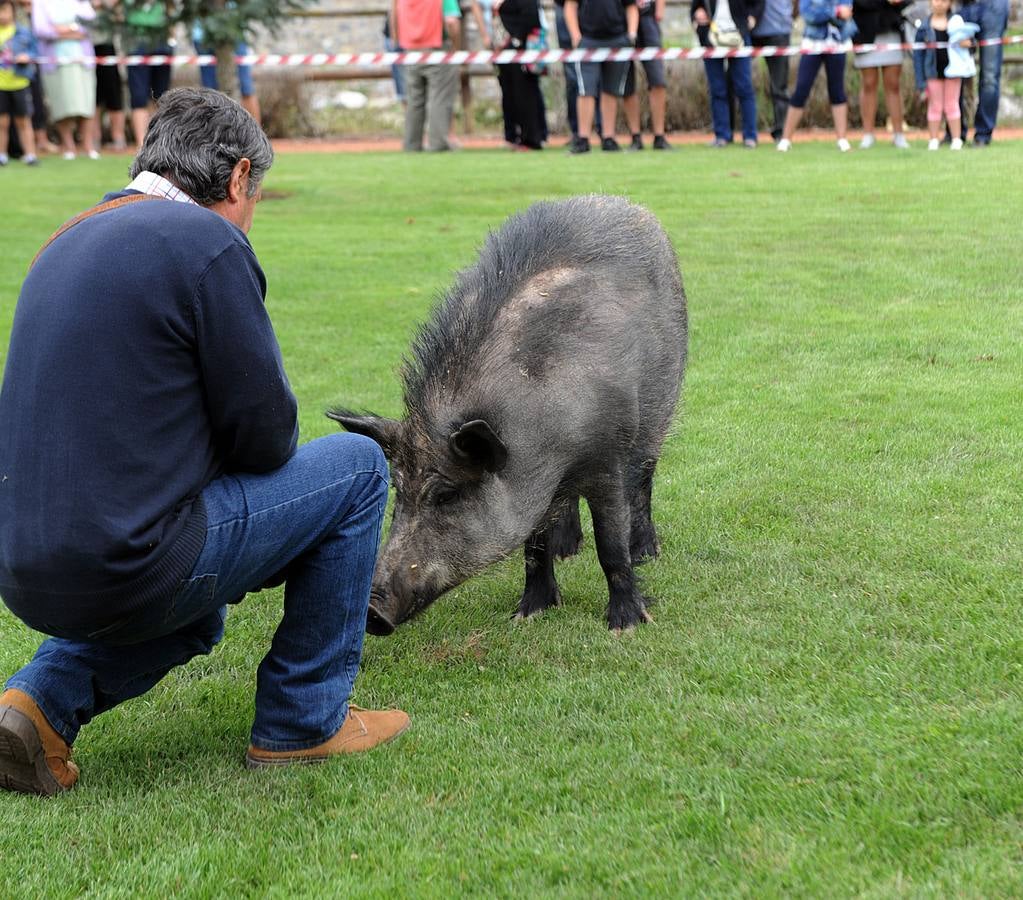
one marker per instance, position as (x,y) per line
(142,365)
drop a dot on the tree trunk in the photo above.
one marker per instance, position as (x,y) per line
(227,71)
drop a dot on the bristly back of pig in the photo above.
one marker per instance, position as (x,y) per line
(500,308)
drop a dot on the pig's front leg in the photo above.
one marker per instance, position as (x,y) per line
(626,606)
(541,590)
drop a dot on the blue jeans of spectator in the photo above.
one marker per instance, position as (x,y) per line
(397,73)
(314,523)
(740,71)
(993,18)
(208,74)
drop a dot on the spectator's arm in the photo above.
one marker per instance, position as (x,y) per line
(572,21)
(632,21)
(481,24)
(394,23)
(659,7)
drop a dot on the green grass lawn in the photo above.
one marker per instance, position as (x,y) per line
(829,701)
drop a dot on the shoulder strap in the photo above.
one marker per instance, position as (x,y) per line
(82,216)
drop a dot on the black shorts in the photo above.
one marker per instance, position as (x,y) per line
(606,77)
(109,86)
(147,83)
(16,103)
(649,35)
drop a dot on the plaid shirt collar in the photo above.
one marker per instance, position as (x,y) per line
(157,186)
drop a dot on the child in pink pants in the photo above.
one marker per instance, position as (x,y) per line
(930,64)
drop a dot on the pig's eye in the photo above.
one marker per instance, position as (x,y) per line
(445,496)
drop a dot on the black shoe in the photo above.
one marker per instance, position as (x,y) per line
(609,145)
(661,142)
(579,145)
(981,141)
(637,142)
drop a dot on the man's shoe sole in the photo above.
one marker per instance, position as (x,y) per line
(23,765)
(256,762)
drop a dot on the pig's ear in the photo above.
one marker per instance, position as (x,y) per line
(476,444)
(384,431)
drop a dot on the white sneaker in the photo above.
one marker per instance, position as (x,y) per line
(900,141)
(783,145)
(843,145)
(957,143)
(867,142)
(69,155)
(933,144)
(93,154)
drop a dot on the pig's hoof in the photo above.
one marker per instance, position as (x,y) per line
(626,616)
(535,602)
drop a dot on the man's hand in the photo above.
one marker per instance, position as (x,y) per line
(700,17)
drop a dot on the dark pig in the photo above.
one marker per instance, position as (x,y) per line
(550,371)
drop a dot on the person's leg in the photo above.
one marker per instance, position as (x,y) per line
(586,107)
(935,102)
(742,82)
(630,103)
(505,83)
(247,85)
(608,113)
(893,96)
(530,111)
(415,112)
(207,74)
(66,135)
(139,93)
(717,85)
(23,124)
(778,82)
(993,22)
(953,87)
(869,80)
(440,106)
(314,523)
(5,130)
(834,67)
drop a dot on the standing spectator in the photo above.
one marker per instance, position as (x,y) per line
(880,22)
(40,119)
(827,28)
(600,23)
(729,23)
(17,48)
(109,84)
(208,74)
(525,120)
(651,12)
(420,25)
(148,24)
(70,86)
(993,18)
(775,30)
(397,74)
(938,81)
(571,77)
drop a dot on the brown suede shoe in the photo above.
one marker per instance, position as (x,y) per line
(362,730)
(33,758)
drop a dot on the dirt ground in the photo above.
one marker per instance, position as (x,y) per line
(558,143)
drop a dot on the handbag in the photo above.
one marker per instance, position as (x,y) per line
(729,38)
(536,40)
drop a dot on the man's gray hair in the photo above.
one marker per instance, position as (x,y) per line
(195,139)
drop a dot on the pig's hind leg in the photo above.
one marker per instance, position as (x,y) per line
(541,591)
(612,519)
(567,531)
(643,543)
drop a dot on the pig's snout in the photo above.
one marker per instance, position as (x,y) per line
(380,621)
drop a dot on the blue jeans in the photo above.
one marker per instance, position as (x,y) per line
(741,72)
(208,74)
(314,523)
(993,18)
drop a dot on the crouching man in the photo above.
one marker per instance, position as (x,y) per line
(149,474)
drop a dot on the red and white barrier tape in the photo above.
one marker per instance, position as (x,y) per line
(500,57)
